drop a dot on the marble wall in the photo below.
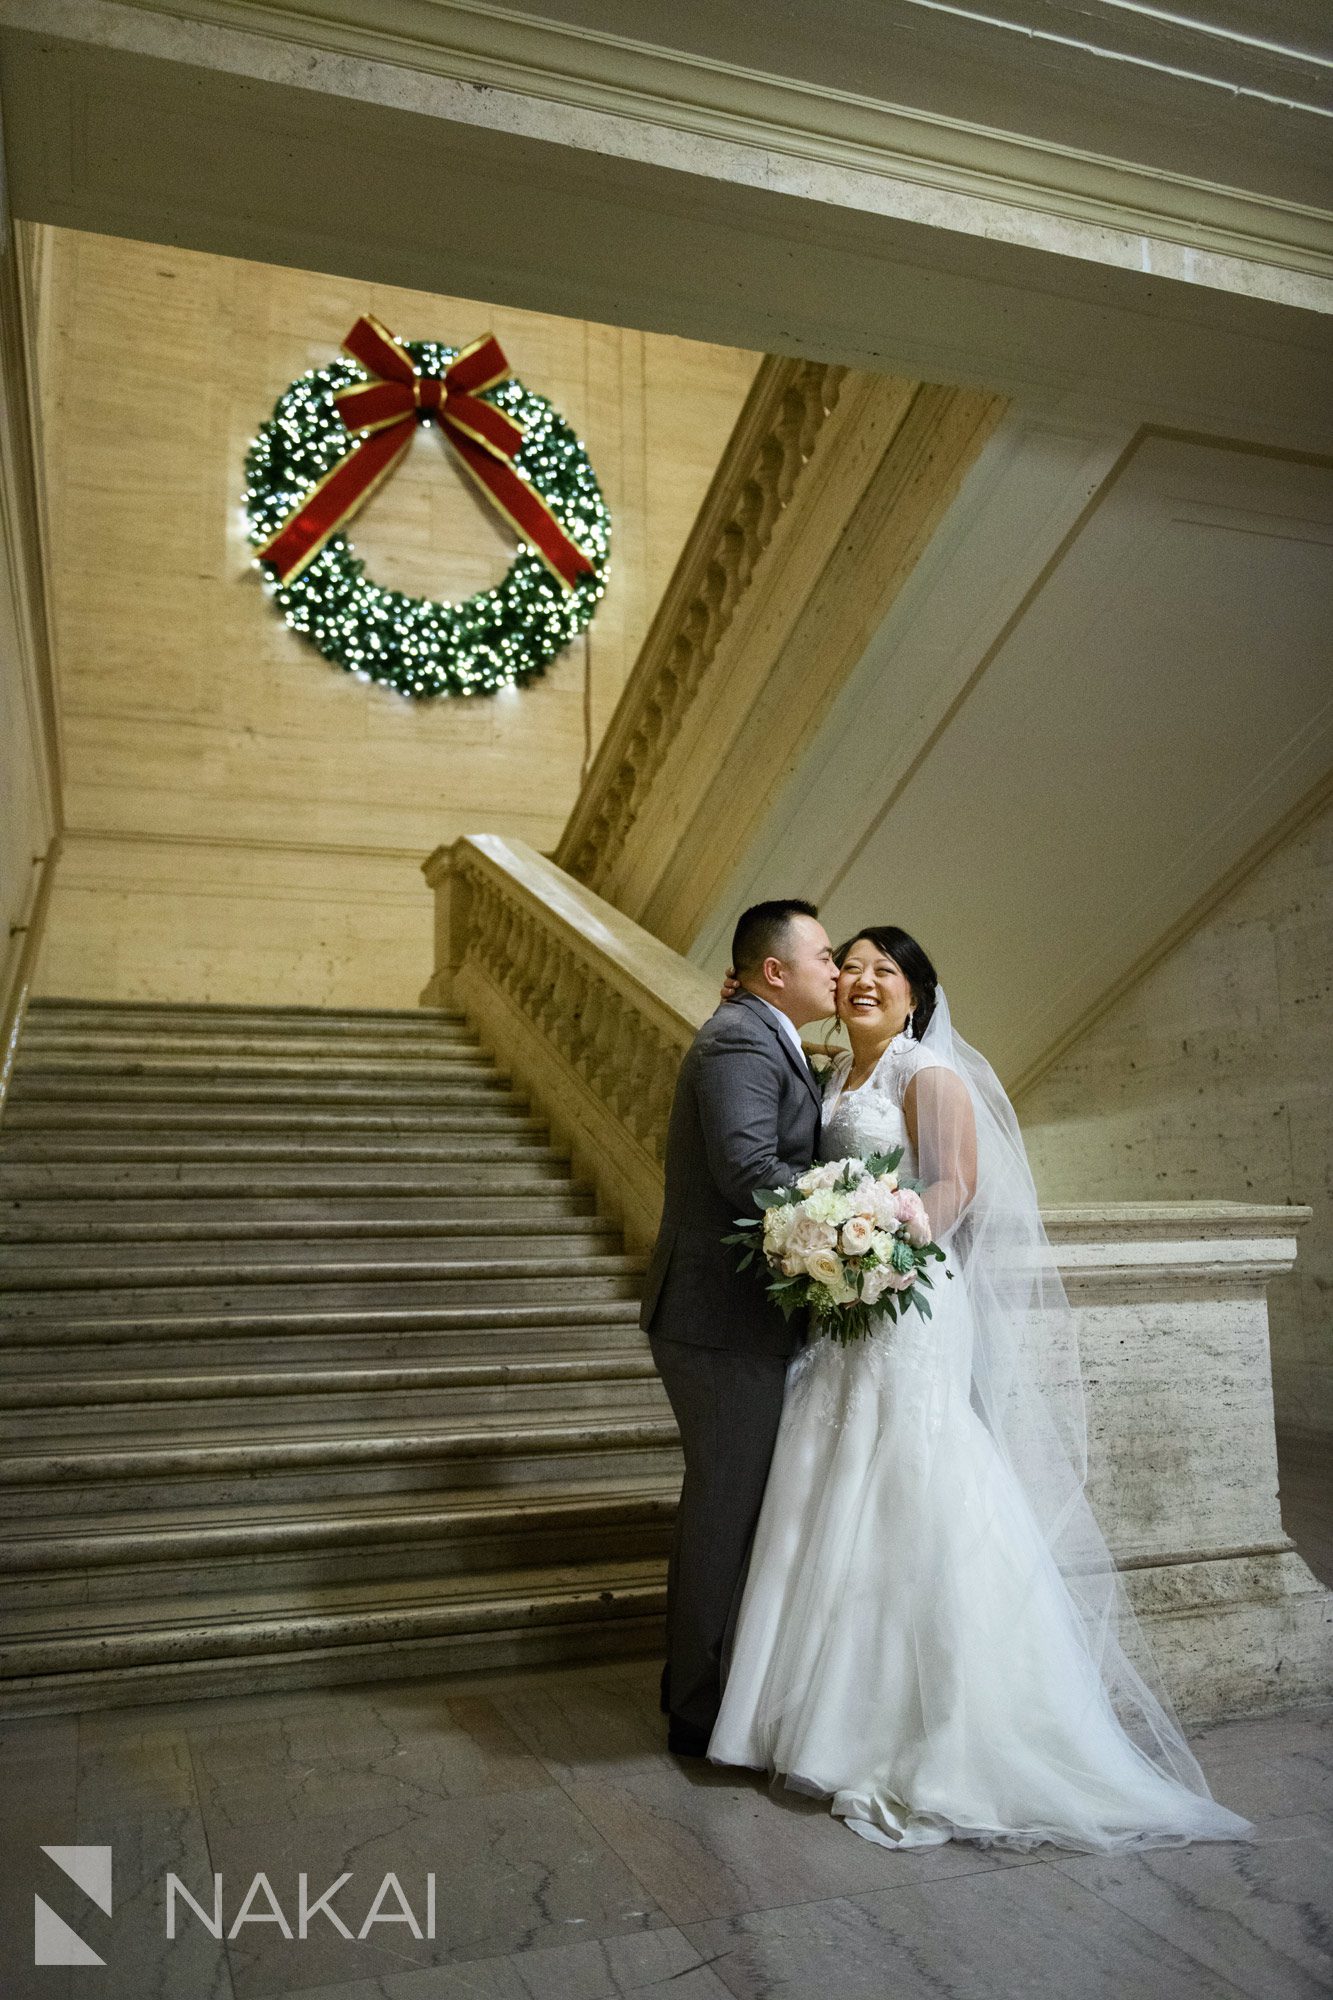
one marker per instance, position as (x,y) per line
(244,820)
(29,728)
(1210,1080)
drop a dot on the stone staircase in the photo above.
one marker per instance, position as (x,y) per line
(317,1364)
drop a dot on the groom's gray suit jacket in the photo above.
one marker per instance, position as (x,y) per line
(745,1116)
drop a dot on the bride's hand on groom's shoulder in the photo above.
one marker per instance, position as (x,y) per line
(731,986)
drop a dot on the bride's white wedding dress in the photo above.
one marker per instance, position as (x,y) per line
(906,1643)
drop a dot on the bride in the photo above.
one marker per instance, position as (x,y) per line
(932,1632)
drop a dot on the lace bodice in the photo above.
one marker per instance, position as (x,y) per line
(870,1120)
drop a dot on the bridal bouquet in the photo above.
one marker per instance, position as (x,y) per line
(846,1240)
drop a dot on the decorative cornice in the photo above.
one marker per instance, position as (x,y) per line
(774,438)
(611,94)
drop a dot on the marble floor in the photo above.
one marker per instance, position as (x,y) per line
(575,1860)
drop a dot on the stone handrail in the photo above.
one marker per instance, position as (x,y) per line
(589,1013)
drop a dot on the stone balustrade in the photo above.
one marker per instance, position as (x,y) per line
(591,1015)
(588,1012)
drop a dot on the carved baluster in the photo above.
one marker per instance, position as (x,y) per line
(620,1075)
(638,1112)
(600,1052)
(560,1003)
(545,968)
(658,1097)
(501,925)
(527,958)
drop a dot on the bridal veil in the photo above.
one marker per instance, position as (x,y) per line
(1026,1380)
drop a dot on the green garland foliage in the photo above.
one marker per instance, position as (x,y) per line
(418,645)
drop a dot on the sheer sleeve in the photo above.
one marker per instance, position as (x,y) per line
(937,1109)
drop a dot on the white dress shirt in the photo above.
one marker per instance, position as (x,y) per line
(788,1027)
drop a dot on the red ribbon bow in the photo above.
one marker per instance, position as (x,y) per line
(386,413)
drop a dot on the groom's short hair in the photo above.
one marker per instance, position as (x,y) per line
(763,931)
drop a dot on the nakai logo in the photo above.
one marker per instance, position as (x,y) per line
(53,1941)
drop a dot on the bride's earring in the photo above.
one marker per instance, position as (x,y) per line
(907,1024)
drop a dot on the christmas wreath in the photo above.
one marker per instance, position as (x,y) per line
(338,431)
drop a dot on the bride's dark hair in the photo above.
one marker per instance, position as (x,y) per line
(910,960)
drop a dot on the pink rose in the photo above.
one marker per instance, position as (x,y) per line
(912,1215)
(857,1232)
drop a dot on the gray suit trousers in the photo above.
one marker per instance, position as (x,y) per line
(727,1404)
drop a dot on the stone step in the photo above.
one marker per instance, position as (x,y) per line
(283,1549)
(25,1148)
(221,1382)
(171,1129)
(137,1651)
(301,1465)
(193,1125)
(255,1620)
(330,1092)
(37,1265)
(47,1044)
(59,1068)
(286,1067)
(105,1016)
(215,1180)
(316,1363)
(524,1647)
(295,1317)
(212,1234)
(314,1340)
(96,1292)
(161,1219)
(73,1409)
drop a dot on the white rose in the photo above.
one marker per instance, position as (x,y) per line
(874,1283)
(825,1268)
(884,1205)
(858,1233)
(808,1235)
(777,1228)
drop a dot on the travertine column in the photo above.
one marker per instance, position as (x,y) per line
(1171,1304)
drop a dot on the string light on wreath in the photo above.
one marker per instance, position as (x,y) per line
(308,458)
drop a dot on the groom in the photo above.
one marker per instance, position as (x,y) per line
(745,1116)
